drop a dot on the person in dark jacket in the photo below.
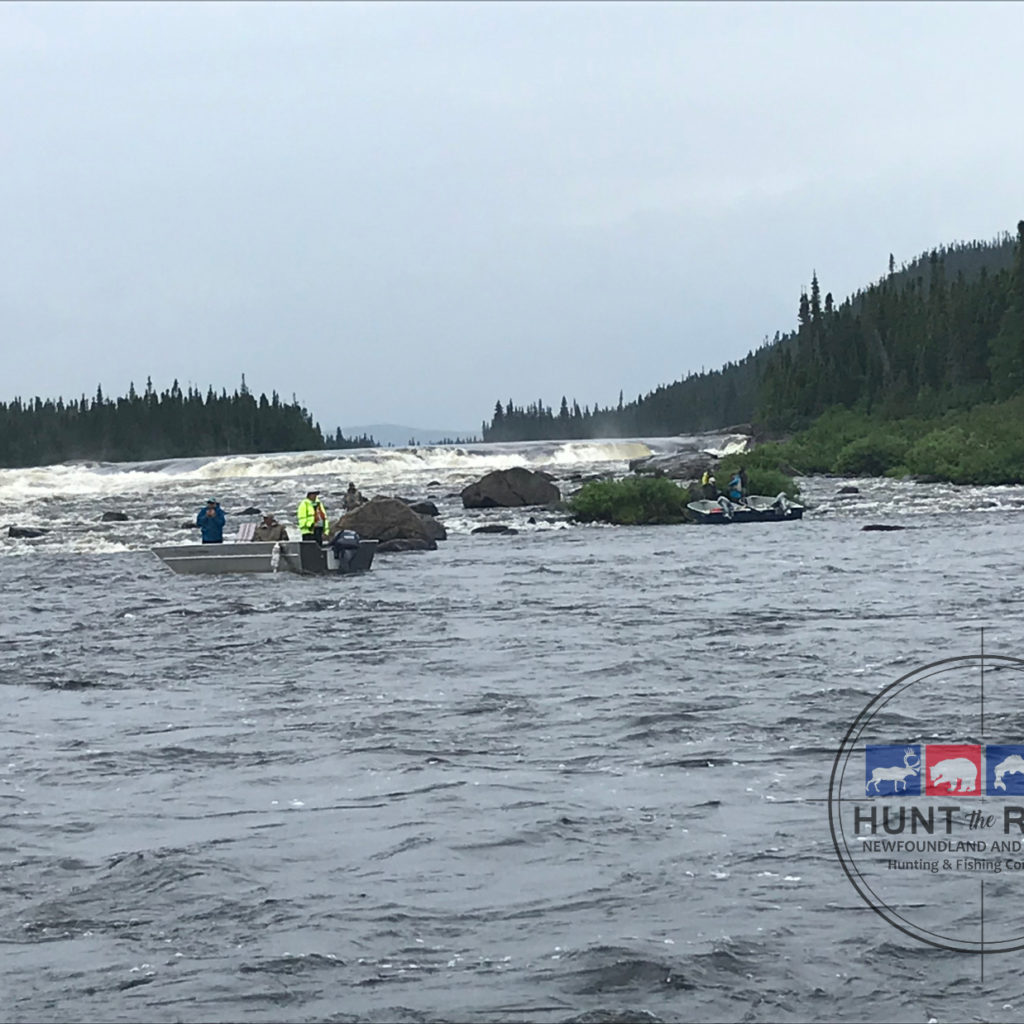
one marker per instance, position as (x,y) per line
(211,521)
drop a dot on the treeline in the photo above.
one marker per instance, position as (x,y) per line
(151,425)
(947,333)
(943,332)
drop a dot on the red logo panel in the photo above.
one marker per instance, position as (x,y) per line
(953,769)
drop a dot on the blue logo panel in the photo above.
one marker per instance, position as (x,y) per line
(1004,769)
(893,771)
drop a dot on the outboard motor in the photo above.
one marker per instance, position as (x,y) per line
(345,543)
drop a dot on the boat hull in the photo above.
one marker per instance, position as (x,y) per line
(301,557)
(714,514)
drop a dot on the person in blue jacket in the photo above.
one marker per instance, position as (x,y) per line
(211,521)
(736,488)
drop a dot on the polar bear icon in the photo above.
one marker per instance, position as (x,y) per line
(959,773)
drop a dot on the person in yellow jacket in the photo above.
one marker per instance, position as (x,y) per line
(312,517)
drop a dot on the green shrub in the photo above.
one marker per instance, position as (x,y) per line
(871,455)
(980,445)
(938,453)
(631,501)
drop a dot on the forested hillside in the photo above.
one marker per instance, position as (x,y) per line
(170,424)
(943,332)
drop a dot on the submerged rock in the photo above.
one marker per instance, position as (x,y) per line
(114,517)
(871,527)
(848,490)
(406,544)
(424,508)
(25,531)
(496,528)
(435,530)
(511,488)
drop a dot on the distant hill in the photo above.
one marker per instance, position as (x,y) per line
(394,434)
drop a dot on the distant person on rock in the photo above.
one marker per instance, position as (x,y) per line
(270,529)
(210,521)
(353,499)
(312,517)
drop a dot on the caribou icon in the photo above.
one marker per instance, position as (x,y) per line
(897,773)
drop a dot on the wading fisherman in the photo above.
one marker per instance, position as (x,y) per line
(312,517)
(211,521)
(353,499)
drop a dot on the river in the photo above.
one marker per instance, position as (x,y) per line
(574,774)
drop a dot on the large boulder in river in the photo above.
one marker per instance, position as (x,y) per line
(511,488)
(386,519)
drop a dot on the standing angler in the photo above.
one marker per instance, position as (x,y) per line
(312,517)
(211,521)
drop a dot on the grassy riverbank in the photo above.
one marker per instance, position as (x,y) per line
(981,445)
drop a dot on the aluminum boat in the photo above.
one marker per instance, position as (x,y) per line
(758,508)
(303,557)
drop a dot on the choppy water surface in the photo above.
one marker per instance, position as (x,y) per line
(576,774)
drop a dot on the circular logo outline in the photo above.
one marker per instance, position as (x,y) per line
(835,800)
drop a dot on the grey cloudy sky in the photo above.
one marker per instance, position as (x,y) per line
(402,212)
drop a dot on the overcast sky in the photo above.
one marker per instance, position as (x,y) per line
(401,213)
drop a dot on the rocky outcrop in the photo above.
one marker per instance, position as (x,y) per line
(675,465)
(690,463)
(510,488)
(386,520)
